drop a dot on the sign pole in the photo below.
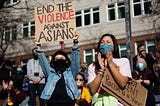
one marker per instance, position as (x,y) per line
(62,45)
(128,32)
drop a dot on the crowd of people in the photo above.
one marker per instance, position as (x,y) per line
(66,82)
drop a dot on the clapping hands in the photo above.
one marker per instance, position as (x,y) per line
(7,85)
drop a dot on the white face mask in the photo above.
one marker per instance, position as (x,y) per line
(79,83)
(19,69)
(140,66)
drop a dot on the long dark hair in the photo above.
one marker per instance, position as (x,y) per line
(115,52)
(60,52)
(81,74)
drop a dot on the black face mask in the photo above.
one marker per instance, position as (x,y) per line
(35,57)
(60,65)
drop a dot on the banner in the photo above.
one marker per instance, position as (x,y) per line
(134,93)
(55,22)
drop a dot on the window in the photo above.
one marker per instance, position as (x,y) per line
(142,7)
(10,2)
(123,50)
(90,55)
(87,17)
(10,34)
(136,45)
(96,15)
(78,19)
(7,35)
(150,46)
(28,29)
(115,11)
(121,10)
(111,12)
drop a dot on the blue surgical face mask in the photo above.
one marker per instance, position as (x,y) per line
(19,69)
(103,49)
(140,65)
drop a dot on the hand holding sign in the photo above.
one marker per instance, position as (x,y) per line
(134,93)
(75,41)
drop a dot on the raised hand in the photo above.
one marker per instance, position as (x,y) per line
(109,56)
(101,61)
(5,85)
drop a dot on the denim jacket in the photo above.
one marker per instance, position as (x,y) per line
(53,77)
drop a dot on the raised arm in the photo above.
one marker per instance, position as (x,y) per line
(43,62)
(75,59)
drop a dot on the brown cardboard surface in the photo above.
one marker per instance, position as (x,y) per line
(55,22)
(134,93)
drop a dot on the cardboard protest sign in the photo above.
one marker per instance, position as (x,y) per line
(134,93)
(55,22)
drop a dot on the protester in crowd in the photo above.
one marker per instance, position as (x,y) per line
(1,74)
(6,71)
(18,71)
(108,58)
(61,88)
(144,76)
(83,69)
(158,53)
(141,49)
(85,98)
(13,91)
(37,79)
(156,68)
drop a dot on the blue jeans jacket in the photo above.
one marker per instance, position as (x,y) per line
(53,77)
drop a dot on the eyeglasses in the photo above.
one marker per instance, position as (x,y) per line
(79,79)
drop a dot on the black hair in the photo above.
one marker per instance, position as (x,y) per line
(17,80)
(116,50)
(80,73)
(140,45)
(61,53)
(33,50)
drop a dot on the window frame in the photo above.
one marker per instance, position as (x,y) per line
(115,7)
(92,54)
(91,13)
(122,49)
(141,2)
(11,2)
(146,43)
(29,27)
(10,31)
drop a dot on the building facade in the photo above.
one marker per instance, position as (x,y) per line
(93,19)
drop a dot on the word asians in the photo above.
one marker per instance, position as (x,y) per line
(56,32)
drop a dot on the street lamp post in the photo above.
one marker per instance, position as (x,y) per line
(128,32)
